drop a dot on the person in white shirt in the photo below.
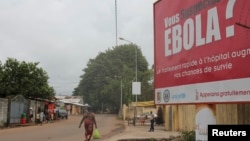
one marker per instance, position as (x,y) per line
(41,116)
(31,114)
(152,121)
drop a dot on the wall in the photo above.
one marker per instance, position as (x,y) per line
(128,111)
(182,117)
(3,111)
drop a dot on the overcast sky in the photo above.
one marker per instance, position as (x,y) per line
(62,35)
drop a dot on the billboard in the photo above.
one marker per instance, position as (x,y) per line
(201,51)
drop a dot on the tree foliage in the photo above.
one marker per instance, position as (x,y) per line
(104,76)
(24,78)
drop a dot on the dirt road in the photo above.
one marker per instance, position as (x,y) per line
(62,130)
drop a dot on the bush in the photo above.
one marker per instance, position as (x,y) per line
(187,135)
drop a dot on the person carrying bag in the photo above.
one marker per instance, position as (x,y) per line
(89,122)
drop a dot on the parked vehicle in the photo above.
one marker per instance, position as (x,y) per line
(63,114)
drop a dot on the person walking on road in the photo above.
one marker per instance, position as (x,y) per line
(152,122)
(89,121)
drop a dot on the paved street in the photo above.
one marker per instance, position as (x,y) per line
(61,130)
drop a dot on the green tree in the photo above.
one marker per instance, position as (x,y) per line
(100,84)
(24,78)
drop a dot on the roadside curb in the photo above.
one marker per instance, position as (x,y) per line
(140,133)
